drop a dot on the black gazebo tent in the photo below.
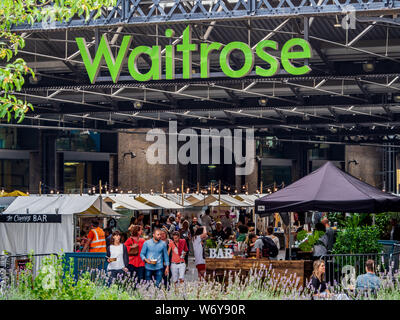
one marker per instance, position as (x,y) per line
(328,189)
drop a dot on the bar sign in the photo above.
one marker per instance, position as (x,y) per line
(30,218)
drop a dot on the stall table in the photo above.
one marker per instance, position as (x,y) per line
(302,268)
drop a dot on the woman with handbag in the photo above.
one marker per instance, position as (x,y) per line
(134,245)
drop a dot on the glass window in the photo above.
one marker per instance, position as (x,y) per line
(14,175)
(90,172)
(278,174)
(75,140)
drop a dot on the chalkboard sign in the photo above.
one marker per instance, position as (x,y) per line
(30,218)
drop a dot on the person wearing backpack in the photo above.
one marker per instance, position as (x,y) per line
(270,234)
(266,248)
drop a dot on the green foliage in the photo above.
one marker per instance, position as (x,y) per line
(338,218)
(382,222)
(307,241)
(15,12)
(362,239)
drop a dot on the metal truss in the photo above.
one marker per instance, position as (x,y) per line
(139,12)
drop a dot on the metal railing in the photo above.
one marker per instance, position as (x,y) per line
(13,264)
(341,267)
(85,262)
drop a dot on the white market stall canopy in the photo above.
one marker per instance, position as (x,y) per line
(177,198)
(128,202)
(65,204)
(55,231)
(194,197)
(157,202)
(225,201)
(248,198)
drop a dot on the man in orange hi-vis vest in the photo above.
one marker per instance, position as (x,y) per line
(97,239)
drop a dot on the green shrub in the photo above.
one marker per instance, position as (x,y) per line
(358,240)
(307,241)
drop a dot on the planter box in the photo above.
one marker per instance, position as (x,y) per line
(299,268)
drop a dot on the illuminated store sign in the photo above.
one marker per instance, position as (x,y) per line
(287,55)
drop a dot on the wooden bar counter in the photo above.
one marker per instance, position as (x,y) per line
(302,268)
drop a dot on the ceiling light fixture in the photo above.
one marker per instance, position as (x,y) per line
(137,105)
(262,102)
(369,66)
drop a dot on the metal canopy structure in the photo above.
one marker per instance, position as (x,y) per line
(352,94)
(140,12)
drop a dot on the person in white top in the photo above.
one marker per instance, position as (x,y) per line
(207,220)
(117,257)
(198,247)
(226,221)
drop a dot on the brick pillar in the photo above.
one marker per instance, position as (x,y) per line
(113,170)
(369,165)
(137,174)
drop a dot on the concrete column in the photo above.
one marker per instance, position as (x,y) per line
(35,172)
(113,170)
(48,159)
(59,176)
(252,179)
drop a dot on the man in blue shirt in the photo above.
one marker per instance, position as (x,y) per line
(154,254)
(368,281)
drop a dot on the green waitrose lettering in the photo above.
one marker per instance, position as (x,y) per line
(293,49)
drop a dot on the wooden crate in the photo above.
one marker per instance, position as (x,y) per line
(300,268)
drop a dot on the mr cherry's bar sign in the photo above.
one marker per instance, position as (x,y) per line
(30,218)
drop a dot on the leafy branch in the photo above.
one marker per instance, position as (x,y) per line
(17,12)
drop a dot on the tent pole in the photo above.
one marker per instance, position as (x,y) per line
(74,224)
(219,198)
(255,220)
(290,238)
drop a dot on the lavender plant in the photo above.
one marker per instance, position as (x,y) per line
(55,282)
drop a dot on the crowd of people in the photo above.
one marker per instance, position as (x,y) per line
(160,252)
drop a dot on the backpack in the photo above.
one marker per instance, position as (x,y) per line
(269,248)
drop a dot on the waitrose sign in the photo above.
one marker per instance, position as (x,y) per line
(295,48)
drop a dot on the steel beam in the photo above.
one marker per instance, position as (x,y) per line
(141,12)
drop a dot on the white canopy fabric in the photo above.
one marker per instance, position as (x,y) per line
(66,204)
(235,202)
(194,197)
(128,202)
(226,201)
(158,202)
(177,198)
(20,238)
(248,198)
